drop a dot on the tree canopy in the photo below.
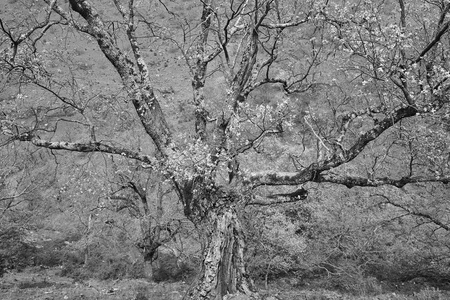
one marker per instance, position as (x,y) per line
(233,103)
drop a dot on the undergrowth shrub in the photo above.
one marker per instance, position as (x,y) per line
(14,252)
(73,266)
(18,252)
(429,294)
(373,251)
(100,265)
(425,294)
(141,293)
(108,267)
(354,284)
(170,269)
(50,254)
(2,266)
(136,270)
(33,285)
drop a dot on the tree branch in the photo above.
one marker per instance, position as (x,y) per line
(436,39)
(415,213)
(312,172)
(87,147)
(44,26)
(286,24)
(138,87)
(285,198)
(353,181)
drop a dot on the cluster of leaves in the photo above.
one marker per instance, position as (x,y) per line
(191,160)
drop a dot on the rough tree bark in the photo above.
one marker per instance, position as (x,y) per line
(223,270)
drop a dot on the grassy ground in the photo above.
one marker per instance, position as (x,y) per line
(36,284)
(47,285)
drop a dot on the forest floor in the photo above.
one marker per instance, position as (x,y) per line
(46,284)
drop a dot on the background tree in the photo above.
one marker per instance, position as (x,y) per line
(345,79)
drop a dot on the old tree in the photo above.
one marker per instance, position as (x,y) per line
(273,93)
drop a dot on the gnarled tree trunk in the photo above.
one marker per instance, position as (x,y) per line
(223,268)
